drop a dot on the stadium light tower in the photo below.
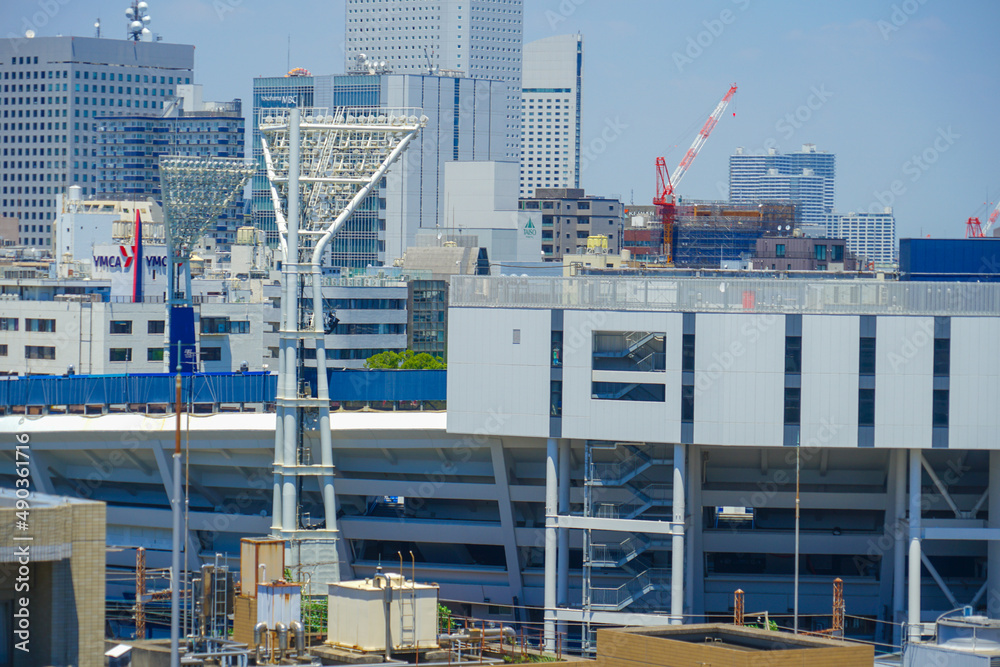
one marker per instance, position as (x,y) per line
(196,190)
(321,165)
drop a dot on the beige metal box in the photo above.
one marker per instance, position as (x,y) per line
(257,551)
(357,614)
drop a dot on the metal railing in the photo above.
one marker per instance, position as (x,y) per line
(620,597)
(748,295)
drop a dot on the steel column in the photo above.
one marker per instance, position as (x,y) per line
(290,327)
(899,543)
(913,615)
(562,579)
(993,547)
(551,542)
(677,540)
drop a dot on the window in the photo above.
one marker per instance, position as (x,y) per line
(8,324)
(154,327)
(45,326)
(687,353)
(121,326)
(866,364)
(820,253)
(942,357)
(3,350)
(629,351)
(866,407)
(120,354)
(557,348)
(779,250)
(940,407)
(793,354)
(555,407)
(687,404)
(39,352)
(793,404)
(628,391)
(215,354)
(154,354)
(838,253)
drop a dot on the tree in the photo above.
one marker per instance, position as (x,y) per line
(406,360)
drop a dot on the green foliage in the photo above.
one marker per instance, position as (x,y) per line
(445,624)
(406,360)
(314,613)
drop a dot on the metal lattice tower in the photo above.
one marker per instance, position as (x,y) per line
(321,165)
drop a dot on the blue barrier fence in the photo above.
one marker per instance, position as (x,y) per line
(345,386)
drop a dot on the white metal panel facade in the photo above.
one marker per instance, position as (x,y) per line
(904,360)
(499,387)
(830,348)
(739,379)
(973,420)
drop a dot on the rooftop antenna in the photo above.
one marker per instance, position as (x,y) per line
(138,20)
(97,28)
(288,54)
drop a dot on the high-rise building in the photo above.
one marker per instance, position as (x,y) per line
(273,92)
(806,177)
(479,40)
(552,82)
(130,147)
(464,116)
(53,88)
(870,236)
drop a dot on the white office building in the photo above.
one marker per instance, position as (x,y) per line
(480,40)
(550,124)
(870,236)
(806,177)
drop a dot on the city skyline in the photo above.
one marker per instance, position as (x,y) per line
(899,91)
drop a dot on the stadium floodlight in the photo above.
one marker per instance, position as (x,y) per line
(321,165)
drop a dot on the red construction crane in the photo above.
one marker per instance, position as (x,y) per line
(975,230)
(665,187)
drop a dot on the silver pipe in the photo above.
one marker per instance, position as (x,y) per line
(913,611)
(282,631)
(175,585)
(260,637)
(300,638)
(798,476)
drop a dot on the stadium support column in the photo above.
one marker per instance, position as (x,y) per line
(677,541)
(993,546)
(551,541)
(562,569)
(290,323)
(913,580)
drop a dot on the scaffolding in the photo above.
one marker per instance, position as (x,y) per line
(708,233)
(625,481)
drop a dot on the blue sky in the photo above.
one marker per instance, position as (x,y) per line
(905,92)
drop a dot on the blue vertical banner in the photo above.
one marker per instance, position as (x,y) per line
(182,332)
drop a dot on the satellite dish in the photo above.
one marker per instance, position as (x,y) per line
(146,18)
(29,33)
(129,13)
(143,6)
(145,31)
(135,26)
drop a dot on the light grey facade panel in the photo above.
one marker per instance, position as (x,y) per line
(974,383)
(830,380)
(904,358)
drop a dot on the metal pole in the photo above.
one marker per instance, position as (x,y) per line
(798,469)
(993,546)
(916,481)
(289,304)
(551,542)
(677,541)
(562,569)
(175,503)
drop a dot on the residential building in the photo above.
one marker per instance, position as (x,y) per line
(464,116)
(552,86)
(569,217)
(478,40)
(427,327)
(870,236)
(806,177)
(800,253)
(130,146)
(54,88)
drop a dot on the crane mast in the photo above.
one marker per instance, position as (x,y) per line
(665,187)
